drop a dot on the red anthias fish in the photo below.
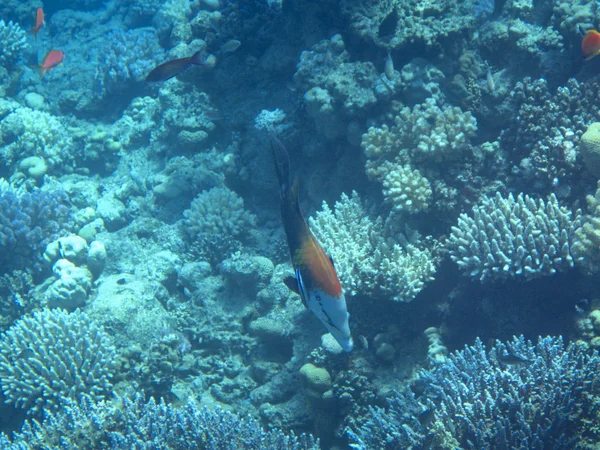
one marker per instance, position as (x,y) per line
(315,279)
(39,21)
(52,59)
(590,46)
(174,67)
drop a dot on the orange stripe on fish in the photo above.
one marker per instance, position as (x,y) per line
(322,272)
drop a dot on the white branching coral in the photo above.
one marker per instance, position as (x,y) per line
(407,190)
(370,259)
(514,238)
(12,43)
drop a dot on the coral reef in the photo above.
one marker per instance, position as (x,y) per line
(51,355)
(545,132)
(134,423)
(12,43)
(402,23)
(586,245)
(127,57)
(217,220)
(26,132)
(407,190)
(370,258)
(28,222)
(508,237)
(481,398)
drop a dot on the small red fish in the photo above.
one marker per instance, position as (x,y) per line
(590,46)
(174,67)
(52,59)
(39,21)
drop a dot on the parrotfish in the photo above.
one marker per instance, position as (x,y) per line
(590,46)
(52,59)
(174,67)
(315,278)
(39,21)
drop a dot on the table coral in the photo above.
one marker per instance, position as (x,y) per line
(514,238)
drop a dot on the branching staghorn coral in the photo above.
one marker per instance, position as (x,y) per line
(513,238)
(51,355)
(476,401)
(370,259)
(134,423)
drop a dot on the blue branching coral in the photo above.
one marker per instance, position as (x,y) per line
(28,222)
(479,399)
(133,423)
(52,355)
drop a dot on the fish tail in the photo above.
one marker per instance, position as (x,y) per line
(197,58)
(282,164)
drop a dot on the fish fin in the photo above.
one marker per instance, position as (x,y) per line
(301,288)
(331,260)
(292,284)
(198,58)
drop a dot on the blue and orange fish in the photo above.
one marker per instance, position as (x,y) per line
(315,279)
